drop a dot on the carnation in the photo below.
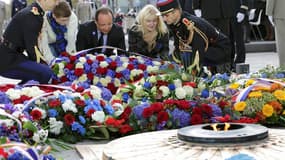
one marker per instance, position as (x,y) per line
(180,93)
(98,116)
(68,105)
(55,126)
(165,91)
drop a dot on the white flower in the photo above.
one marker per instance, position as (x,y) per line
(152,79)
(138,92)
(153,90)
(82,60)
(13,93)
(119,69)
(152,69)
(60,70)
(124,59)
(125,65)
(20,107)
(104,82)
(95,92)
(68,105)
(177,83)
(31,91)
(55,126)
(117,82)
(82,78)
(156,63)
(135,72)
(40,136)
(185,77)
(95,80)
(79,65)
(189,90)
(98,116)
(165,91)
(113,57)
(119,109)
(103,64)
(180,93)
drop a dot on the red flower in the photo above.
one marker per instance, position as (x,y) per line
(162,117)
(207,109)
(79,102)
(3,153)
(127,112)
(90,76)
(69,119)
(101,71)
(100,58)
(147,112)
(113,122)
(72,59)
(102,103)
(125,129)
(4,88)
(78,71)
(113,65)
(192,84)
(36,114)
(112,88)
(197,110)
(156,107)
(63,79)
(196,119)
(79,89)
(116,101)
(90,112)
(142,67)
(169,102)
(119,75)
(54,103)
(130,66)
(89,61)
(224,119)
(69,66)
(64,54)
(183,104)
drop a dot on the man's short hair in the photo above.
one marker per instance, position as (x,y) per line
(103,10)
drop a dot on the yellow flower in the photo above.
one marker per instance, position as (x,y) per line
(240,106)
(249,82)
(283,113)
(255,94)
(234,85)
(267,110)
(279,94)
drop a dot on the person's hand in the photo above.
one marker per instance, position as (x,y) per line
(240,17)
(198,12)
(270,18)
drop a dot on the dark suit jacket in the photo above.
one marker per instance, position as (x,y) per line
(216,9)
(87,37)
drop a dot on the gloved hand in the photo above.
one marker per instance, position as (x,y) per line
(198,12)
(271,20)
(240,17)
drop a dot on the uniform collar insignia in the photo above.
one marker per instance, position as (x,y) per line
(35,11)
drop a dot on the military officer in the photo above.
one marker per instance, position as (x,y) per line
(21,35)
(196,34)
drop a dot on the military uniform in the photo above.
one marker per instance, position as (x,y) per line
(22,35)
(213,46)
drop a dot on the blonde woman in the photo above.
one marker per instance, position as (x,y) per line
(149,35)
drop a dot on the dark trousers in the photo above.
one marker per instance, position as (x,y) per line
(29,70)
(237,41)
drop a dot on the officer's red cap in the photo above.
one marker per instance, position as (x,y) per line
(166,6)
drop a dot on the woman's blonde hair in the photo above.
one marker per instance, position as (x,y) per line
(147,11)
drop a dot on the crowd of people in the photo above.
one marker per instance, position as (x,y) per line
(208,35)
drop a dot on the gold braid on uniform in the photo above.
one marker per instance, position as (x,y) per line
(39,55)
(185,44)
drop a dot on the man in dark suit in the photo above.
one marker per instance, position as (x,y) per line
(187,6)
(102,32)
(22,35)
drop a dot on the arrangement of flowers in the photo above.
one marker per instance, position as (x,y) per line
(104,71)
(263,101)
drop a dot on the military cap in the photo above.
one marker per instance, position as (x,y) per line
(166,6)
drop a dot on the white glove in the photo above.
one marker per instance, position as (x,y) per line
(198,12)
(251,14)
(240,17)
(271,20)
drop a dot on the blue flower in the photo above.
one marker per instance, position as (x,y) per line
(125,97)
(82,120)
(52,113)
(109,109)
(205,93)
(137,110)
(106,94)
(171,87)
(280,75)
(147,85)
(4,98)
(180,117)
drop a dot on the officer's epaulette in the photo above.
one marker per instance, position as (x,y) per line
(35,11)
